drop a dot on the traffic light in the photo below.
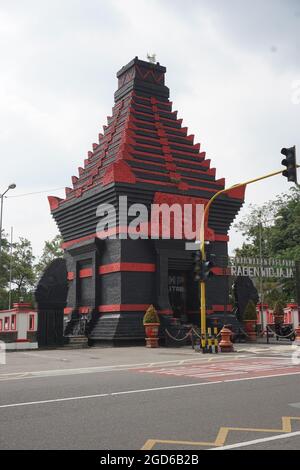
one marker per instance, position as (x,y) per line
(202,268)
(197,265)
(290,162)
(207,266)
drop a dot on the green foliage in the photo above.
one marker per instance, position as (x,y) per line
(52,250)
(250,311)
(21,264)
(24,270)
(3,299)
(285,236)
(23,276)
(151,315)
(4,263)
(278,309)
(277,223)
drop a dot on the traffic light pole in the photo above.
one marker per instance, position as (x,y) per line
(202,248)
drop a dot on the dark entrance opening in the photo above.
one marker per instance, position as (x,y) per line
(177,284)
(50,327)
(51,297)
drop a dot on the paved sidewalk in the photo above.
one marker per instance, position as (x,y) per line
(59,359)
(259,348)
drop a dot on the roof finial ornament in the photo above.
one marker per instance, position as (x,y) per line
(151,58)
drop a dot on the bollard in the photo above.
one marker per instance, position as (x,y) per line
(203,344)
(208,343)
(215,340)
(225,343)
(197,345)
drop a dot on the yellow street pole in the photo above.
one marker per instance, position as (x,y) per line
(202,248)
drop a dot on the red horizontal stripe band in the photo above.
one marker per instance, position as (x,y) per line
(141,307)
(116,307)
(165,312)
(84,310)
(222,308)
(87,272)
(123,308)
(68,310)
(117,230)
(133,267)
(221,238)
(214,308)
(78,240)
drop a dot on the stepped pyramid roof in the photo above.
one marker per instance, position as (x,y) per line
(145,147)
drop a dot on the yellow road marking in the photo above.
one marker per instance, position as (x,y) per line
(223,434)
(150,443)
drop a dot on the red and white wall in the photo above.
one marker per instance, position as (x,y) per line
(291,314)
(18,327)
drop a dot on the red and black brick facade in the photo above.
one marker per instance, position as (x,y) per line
(146,154)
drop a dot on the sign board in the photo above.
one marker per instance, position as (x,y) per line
(262,267)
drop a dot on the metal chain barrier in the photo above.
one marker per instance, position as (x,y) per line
(261,334)
(241,330)
(196,333)
(281,336)
(199,336)
(176,338)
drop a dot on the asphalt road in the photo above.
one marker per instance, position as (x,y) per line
(188,402)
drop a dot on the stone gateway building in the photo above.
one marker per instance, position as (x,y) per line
(145,154)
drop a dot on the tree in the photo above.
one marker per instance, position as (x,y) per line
(278,309)
(52,249)
(278,312)
(256,227)
(4,263)
(250,311)
(23,275)
(285,236)
(277,225)
(21,264)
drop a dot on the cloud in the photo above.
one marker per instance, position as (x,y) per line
(230,68)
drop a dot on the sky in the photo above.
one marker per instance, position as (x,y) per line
(233,70)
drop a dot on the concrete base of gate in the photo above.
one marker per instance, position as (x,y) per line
(21,346)
(76,342)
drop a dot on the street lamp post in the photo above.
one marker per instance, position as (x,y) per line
(11,186)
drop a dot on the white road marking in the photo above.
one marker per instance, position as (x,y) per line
(295,405)
(145,390)
(257,441)
(111,368)
(86,370)
(101,395)
(45,356)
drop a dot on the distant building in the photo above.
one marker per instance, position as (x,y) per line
(18,327)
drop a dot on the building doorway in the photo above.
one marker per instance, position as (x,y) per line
(177,293)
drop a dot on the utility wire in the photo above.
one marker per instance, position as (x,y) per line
(36,192)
